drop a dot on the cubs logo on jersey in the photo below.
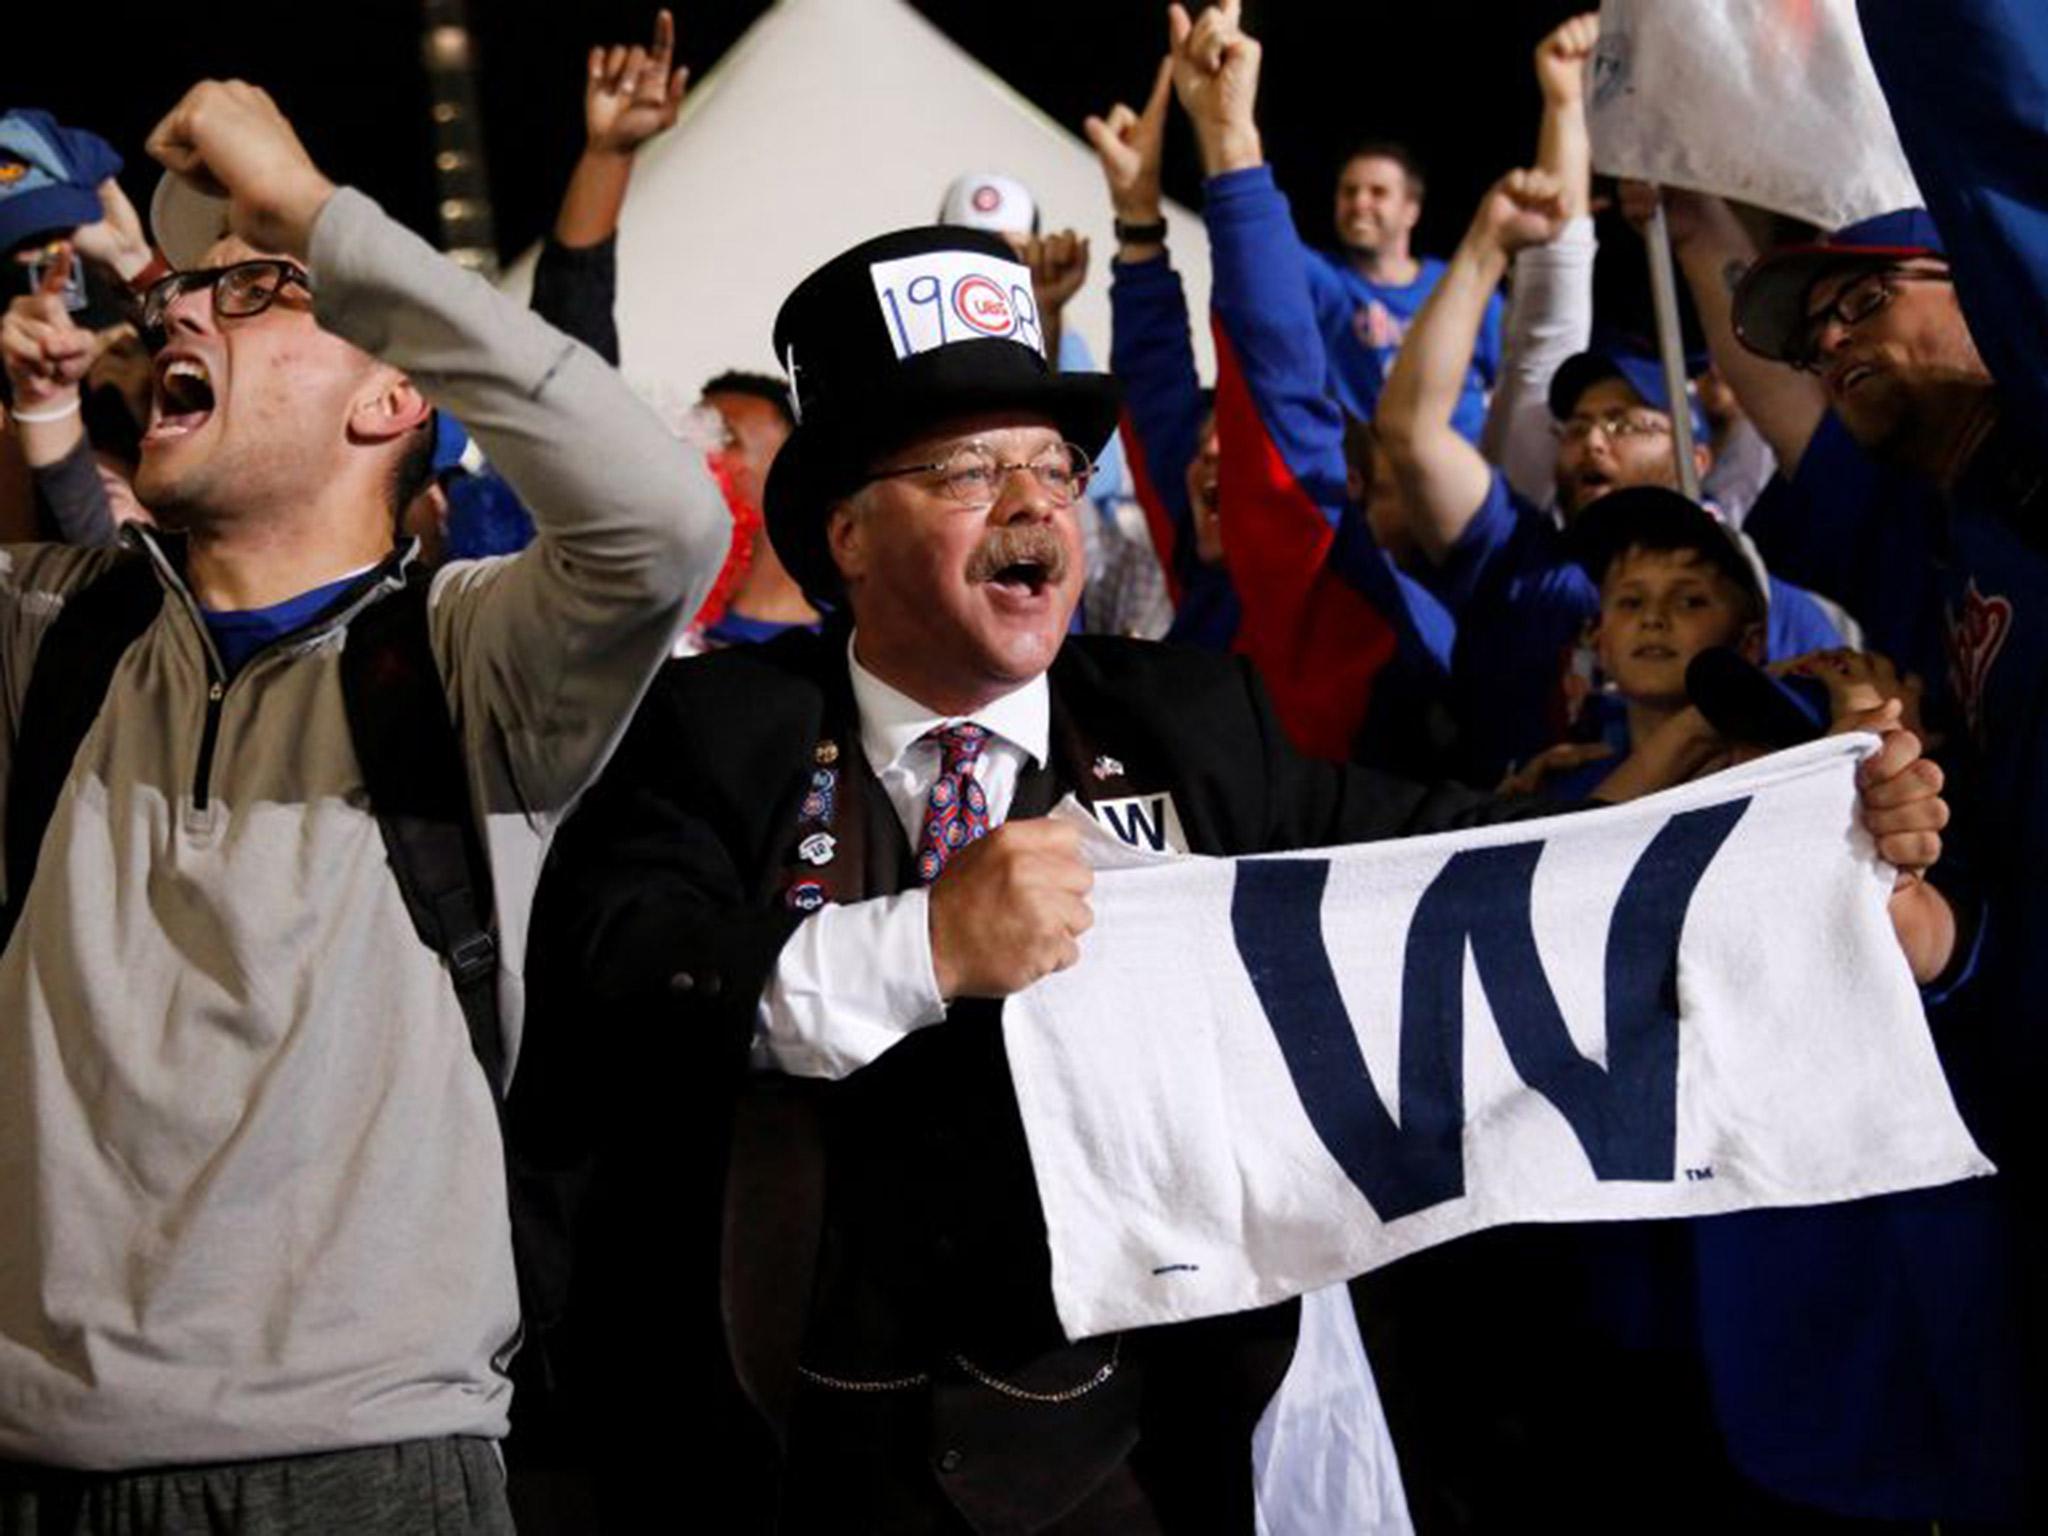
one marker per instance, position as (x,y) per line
(1978,628)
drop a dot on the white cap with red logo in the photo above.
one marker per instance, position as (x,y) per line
(985,200)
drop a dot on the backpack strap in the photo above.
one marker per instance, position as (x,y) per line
(413,768)
(67,685)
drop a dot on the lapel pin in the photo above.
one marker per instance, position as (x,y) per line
(828,753)
(818,848)
(1107,767)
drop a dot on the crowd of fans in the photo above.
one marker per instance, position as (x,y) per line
(1434,503)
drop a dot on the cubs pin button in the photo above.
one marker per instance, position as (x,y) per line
(818,848)
(1107,767)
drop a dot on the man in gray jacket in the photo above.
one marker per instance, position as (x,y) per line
(254,1249)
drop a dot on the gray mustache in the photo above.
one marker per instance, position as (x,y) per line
(1008,546)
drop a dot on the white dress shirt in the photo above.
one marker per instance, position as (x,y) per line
(855,979)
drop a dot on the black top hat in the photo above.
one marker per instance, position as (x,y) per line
(890,339)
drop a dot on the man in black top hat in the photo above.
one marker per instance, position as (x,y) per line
(797,899)
(828,856)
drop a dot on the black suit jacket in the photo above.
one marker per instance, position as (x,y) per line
(889,1223)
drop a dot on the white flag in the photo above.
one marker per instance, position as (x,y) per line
(1772,102)
(1268,1074)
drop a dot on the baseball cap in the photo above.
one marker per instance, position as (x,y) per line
(1642,373)
(49,176)
(1656,517)
(184,221)
(985,200)
(1770,302)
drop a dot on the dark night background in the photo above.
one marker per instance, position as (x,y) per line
(1451,77)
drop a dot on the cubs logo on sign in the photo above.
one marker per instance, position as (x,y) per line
(984,306)
(942,298)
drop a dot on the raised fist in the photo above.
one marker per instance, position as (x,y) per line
(229,138)
(1524,208)
(1561,60)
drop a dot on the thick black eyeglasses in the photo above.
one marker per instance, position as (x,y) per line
(243,289)
(1853,305)
(974,476)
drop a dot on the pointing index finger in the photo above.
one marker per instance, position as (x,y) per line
(59,273)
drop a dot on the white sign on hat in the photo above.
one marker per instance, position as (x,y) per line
(940,297)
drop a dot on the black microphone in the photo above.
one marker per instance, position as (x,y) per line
(1744,702)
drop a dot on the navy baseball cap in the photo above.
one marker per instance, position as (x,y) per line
(1770,302)
(1656,517)
(49,176)
(1639,371)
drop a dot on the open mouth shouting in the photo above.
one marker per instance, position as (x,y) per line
(183,399)
(1019,563)
(1851,373)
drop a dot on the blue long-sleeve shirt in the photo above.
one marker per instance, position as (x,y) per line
(1326,615)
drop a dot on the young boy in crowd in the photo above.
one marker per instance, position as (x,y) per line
(1673,581)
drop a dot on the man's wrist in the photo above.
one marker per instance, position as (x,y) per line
(1232,149)
(293,215)
(1482,250)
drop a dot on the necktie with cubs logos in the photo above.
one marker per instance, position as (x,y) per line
(955,809)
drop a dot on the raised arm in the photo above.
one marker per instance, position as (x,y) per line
(1713,250)
(629,96)
(1550,311)
(1444,479)
(1322,611)
(545,652)
(1151,352)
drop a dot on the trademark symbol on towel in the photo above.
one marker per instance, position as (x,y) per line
(1694,1175)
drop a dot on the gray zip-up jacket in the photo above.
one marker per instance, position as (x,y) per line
(252,1198)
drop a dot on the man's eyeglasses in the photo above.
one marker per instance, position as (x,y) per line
(243,289)
(1856,303)
(1616,424)
(973,476)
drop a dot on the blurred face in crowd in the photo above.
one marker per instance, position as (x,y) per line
(758,430)
(1376,207)
(1902,370)
(1659,608)
(1205,479)
(1370,483)
(960,600)
(251,410)
(1613,439)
